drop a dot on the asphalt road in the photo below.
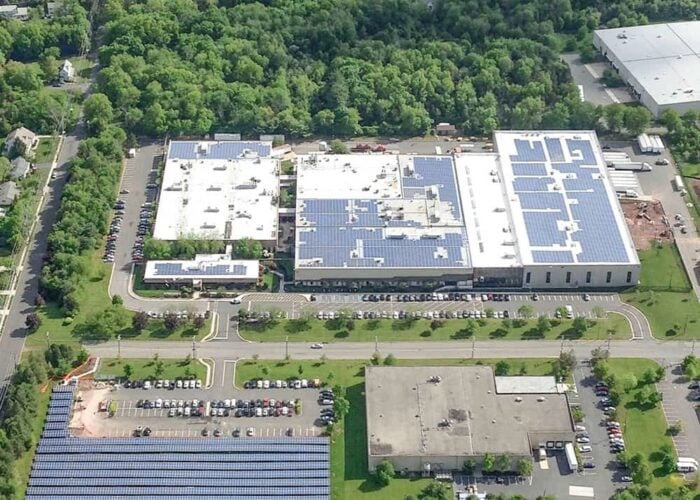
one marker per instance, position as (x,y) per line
(13,335)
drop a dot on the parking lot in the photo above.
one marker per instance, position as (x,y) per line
(197,412)
(679,405)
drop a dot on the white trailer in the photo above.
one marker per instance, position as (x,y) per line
(571,457)
(657,143)
(635,166)
(678,183)
(650,144)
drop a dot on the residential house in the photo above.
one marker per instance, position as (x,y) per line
(8,193)
(66,73)
(24,135)
(19,168)
(14,12)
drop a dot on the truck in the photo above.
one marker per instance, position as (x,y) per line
(686,467)
(635,166)
(650,144)
(571,457)
(678,183)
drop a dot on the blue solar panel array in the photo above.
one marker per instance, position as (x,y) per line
(189,150)
(583,206)
(234,468)
(347,233)
(177,269)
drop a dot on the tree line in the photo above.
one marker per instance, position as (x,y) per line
(83,216)
(350,67)
(20,410)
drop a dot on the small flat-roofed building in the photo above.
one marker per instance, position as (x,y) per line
(219,190)
(202,270)
(660,62)
(435,417)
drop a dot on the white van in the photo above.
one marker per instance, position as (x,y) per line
(569,312)
(686,467)
(688,460)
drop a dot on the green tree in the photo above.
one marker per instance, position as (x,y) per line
(628,382)
(338,147)
(526,311)
(139,321)
(637,119)
(97,112)
(159,368)
(614,115)
(488,463)
(502,368)
(390,360)
(247,249)
(128,371)
(32,322)
(384,473)
(503,462)
(341,406)
(579,325)
(435,490)
(543,324)
(524,467)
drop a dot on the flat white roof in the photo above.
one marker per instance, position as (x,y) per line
(486,215)
(202,267)
(663,58)
(526,385)
(562,205)
(218,190)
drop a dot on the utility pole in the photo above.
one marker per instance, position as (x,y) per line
(692,349)
(194,350)
(47,339)
(376,344)
(119,347)
(473,344)
(286,347)
(609,338)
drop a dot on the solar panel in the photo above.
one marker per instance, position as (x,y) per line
(580,201)
(164,490)
(190,150)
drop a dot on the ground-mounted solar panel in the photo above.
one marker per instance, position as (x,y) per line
(280,496)
(226,457)
(119,491)
(83,463)
(228,482)
(177,472)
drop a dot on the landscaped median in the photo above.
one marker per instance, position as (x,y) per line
(154,368)
(349,469)
(614,326)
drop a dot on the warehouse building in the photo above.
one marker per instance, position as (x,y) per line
(219,190)
(660,62)
(540,212)
(431,419)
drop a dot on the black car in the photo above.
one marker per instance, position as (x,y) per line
(147,431)
(139,403)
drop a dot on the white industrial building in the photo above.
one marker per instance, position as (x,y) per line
(660,62)
(538,213)
(219,190)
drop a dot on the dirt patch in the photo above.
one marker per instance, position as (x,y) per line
(695,184)
(647,223)
(87,420)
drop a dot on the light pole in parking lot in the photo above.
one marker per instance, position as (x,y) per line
(119,347)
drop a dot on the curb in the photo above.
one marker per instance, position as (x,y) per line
(210,371)
(213,329)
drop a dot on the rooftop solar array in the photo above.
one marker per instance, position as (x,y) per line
(564,200)
(423,228)
(227,467)
(178,269)
(192,150)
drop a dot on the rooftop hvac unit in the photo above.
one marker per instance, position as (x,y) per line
(500,209)
(208,226)
(508,243)
(429,236)
(244,215)
(211,209)
(397,236)
(214,188)
(509,256)
(220,167)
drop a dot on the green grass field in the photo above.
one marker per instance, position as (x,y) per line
(673,315)
(396,330)
(144,369)
(93,297)
(349,470)
(644,429)
(46,150)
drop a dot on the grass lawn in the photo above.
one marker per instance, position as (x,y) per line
(46,149)
(349,476)
(396,330)
(662,268)
(144,368)
(672,315)
(644,429)
(93,298)
(82,67)
(23,465)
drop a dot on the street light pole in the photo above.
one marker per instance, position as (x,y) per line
(286,347)
(47,339)
(119,347)
(194,350)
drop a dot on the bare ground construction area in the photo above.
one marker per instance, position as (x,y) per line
(647,223)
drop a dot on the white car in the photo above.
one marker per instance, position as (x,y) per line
(584,448)
(583,440)
(316,346)
(266,384)
(235,300)
(198,384)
